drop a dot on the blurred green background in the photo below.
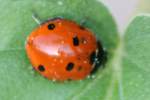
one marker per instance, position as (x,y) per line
(124,10)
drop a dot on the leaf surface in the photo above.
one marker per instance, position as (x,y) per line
(19,81)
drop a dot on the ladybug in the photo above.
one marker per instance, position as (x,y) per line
(60,49)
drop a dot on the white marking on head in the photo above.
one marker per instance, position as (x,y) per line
(96,59)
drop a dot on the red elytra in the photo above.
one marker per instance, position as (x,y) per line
(60,49)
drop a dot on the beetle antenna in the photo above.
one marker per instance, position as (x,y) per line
(36,18)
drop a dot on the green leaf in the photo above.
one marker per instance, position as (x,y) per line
(136,61)
(20,82)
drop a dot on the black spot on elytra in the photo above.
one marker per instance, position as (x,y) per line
(51,26)
(41,68)
(75,41)
(70,66)
(101,58)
